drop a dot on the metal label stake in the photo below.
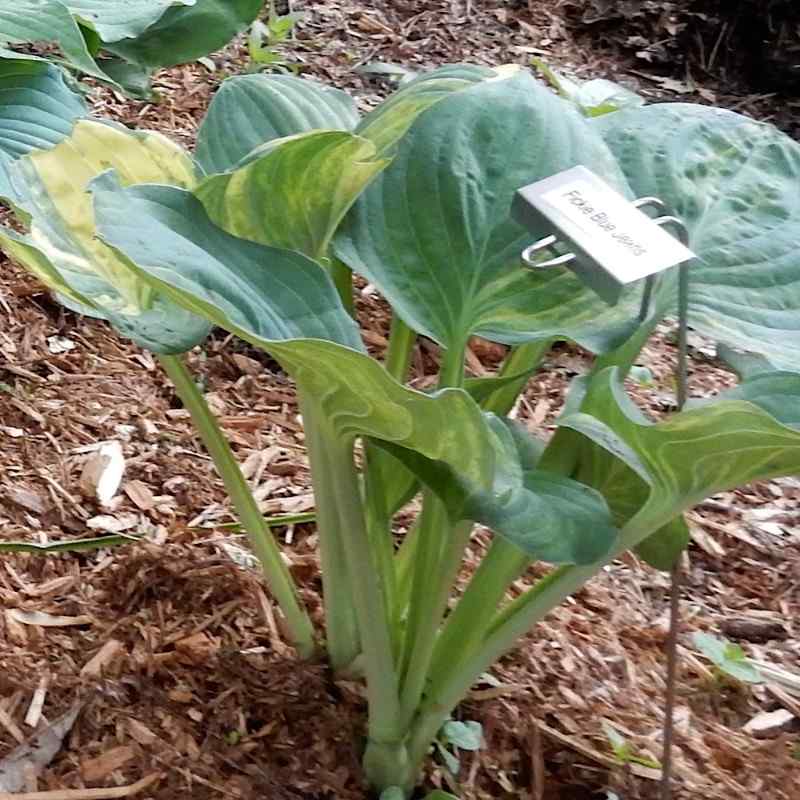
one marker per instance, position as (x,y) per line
(608,242)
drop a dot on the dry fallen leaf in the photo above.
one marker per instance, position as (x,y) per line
(45,620)
(30,501)
(102,473)
(140,495)
(768,724)
(103,659)
(113,524)
(59,344)
(96,769)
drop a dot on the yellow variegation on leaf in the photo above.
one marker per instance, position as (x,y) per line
(61,247)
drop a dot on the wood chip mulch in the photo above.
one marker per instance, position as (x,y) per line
(172,647)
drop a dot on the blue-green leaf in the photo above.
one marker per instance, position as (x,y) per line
(37,110)
(285,304)
(651,472)
(61,248)
(728,657)
(434,232)
(250,110)
(184,33)
(734,182)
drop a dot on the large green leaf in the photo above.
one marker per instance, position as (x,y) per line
(145,33)
(272,293)
(389,122)
(776,392)
(283,303)
(184,33)
(293,192)
(62,249)
(113,20)
(37,110)
(49,21)
(250,110)
(744,363)
(651,473)
(734,182)
(434,231)
(548,516)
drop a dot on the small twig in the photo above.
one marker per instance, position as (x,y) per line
(672,675)
(86,794)
(37,703)
(8,723)
(537,762)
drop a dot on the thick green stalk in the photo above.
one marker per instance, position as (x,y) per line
(343,644)
(379,465)
(404,561)
(451,373)
(401,348)
(521,361)
(448,688)
(437,586)
(385,759)
(438,554)
(342,277)
(277,574)
(379,528)
(473,615)
(504,563)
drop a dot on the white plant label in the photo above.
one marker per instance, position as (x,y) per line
(601,223)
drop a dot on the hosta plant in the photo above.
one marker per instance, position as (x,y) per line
(134,37)
(47,162)
(416,197)
(47,188)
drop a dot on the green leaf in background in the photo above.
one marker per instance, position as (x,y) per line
(145,33)
(71,545)
(390,121)
(745,364)
(283,303)
(682,460)
(728,657)
(623,749)
(463,735)
(294,192)
(249,110)
(734,182)
(593,98)
(61,248)
(134,79)
(50,21)
(776,392)
(37,110)
(395,74)
(451,761)
(185,33)
(434,233)
(113,20)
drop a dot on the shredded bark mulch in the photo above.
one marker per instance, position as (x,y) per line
(172,646)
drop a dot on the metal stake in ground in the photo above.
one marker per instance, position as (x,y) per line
(609,242)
